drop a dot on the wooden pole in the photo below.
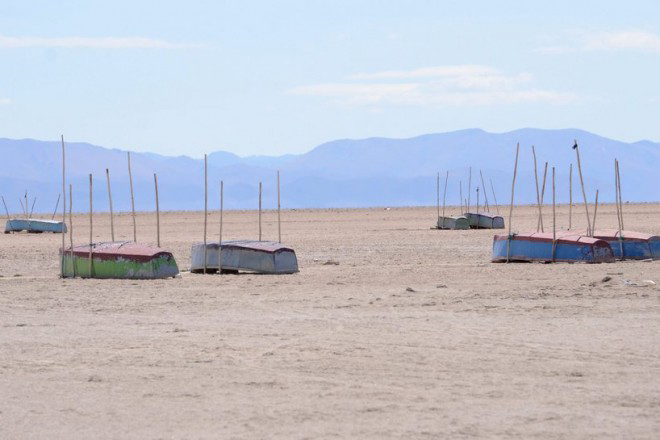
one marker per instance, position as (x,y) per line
(513,185)
(130,180)
(26,205)
(56,205)
(63,207)
(157,212)
(595,213)
(483,187)
(437,192)
(584,194)
(112,223)
(492,188)
(279,215)
(618,175)
(477,204)
(206,203)
(469,189)
(554,218)
(73,266)
(32,209)
(460,189)
(6,210)
(539,223)
(23,211)
(444,199)
(538,194)
(260,189)
(222,190)
(91,239)
(618,207)
(570,197)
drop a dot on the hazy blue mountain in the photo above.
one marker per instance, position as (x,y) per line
(341,173)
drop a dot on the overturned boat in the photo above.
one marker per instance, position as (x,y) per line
(630,245)
(484,220)
(540,246)
(457,222)
(34,226)
(267,257)
(118,260)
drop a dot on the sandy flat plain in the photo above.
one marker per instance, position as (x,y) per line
(390,330)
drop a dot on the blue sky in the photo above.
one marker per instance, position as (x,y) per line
(276,77)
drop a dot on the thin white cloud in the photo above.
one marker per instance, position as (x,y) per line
(634,40)
(90,42)
(5,101)
(467,85)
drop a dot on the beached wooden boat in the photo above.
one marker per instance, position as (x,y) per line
(631,245)
(119,260)
(266,257)
(458,222)
(484,220)
(538,246)
(33,225)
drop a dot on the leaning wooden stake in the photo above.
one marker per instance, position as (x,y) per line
(130,180)
(536,179)
(157,212)
(32,208)
(618,180)
(279,215)
(56,205)
(63,208)
(483,187)
(460,189)
(444,199)
(584,194)
(260,189)
(112,222)
(206,206)
(570,197)
(618,207)
(492,188)
(593,224)
(222,196)
(73,266)
(469,190)
(539,224)
(554,218)
(6,210)
(513,185)
(91,210)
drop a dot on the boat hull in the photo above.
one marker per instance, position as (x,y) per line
(539,247)
(631,245)
(453,223)
(35,226)
(484,221)
(244,256)
(119,260)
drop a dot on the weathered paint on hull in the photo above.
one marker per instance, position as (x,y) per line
(452,223)
(484,221)
(635,245)
(538,247)
(34,226)
(154,265)
(244,256)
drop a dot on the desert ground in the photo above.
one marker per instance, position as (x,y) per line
(389,330)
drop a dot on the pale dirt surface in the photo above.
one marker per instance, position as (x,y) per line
(413,334)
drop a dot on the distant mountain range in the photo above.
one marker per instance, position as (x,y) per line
(341,173)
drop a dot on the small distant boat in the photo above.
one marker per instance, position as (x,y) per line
(484,220)
(635,245)
(458,222)
(35,226)
(119,260)
(267,257)
(538,246)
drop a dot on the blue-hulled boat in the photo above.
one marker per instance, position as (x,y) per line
(631,245)
(538,246)
(34,225)
(484,220)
